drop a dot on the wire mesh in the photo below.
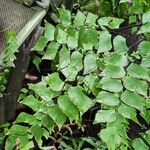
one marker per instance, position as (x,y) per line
(13,17)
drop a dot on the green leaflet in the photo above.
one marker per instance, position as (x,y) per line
(146,17)
(39,115)
(104,41)
(70,73)
(91,81)
(111,22)
(29,145)
(82,35)
(44,92)
(110,137)
(40,45)
(91,19)
(61,36)
(138,71)
(88,37)
(32,102)
(26,118)
(65,16)
(47,122)
(49,32)
(105,116)
(145,28)
(145,114)
(113,71)
(76,60)
(76,65)
(134,100)
(90,63)
(64,58)
(79,19)
(72,40)
(117,59)
(128,112)
(145,62)
(138,144)
(37,131)
(36,61)
(136,85)
(55,83)
(82,102)
(18,130)
(143,48)
(136,8)
(23,139)
(115,133)
(51,51)
(120,44)
(146,135)
(68,108)
(107,98)
(112,85)
(55,112)
(92,38)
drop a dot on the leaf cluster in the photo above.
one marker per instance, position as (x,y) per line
(120,8)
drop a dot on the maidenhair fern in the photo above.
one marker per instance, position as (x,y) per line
(7,58)
(91,67)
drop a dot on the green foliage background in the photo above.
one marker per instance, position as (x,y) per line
(7,58)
